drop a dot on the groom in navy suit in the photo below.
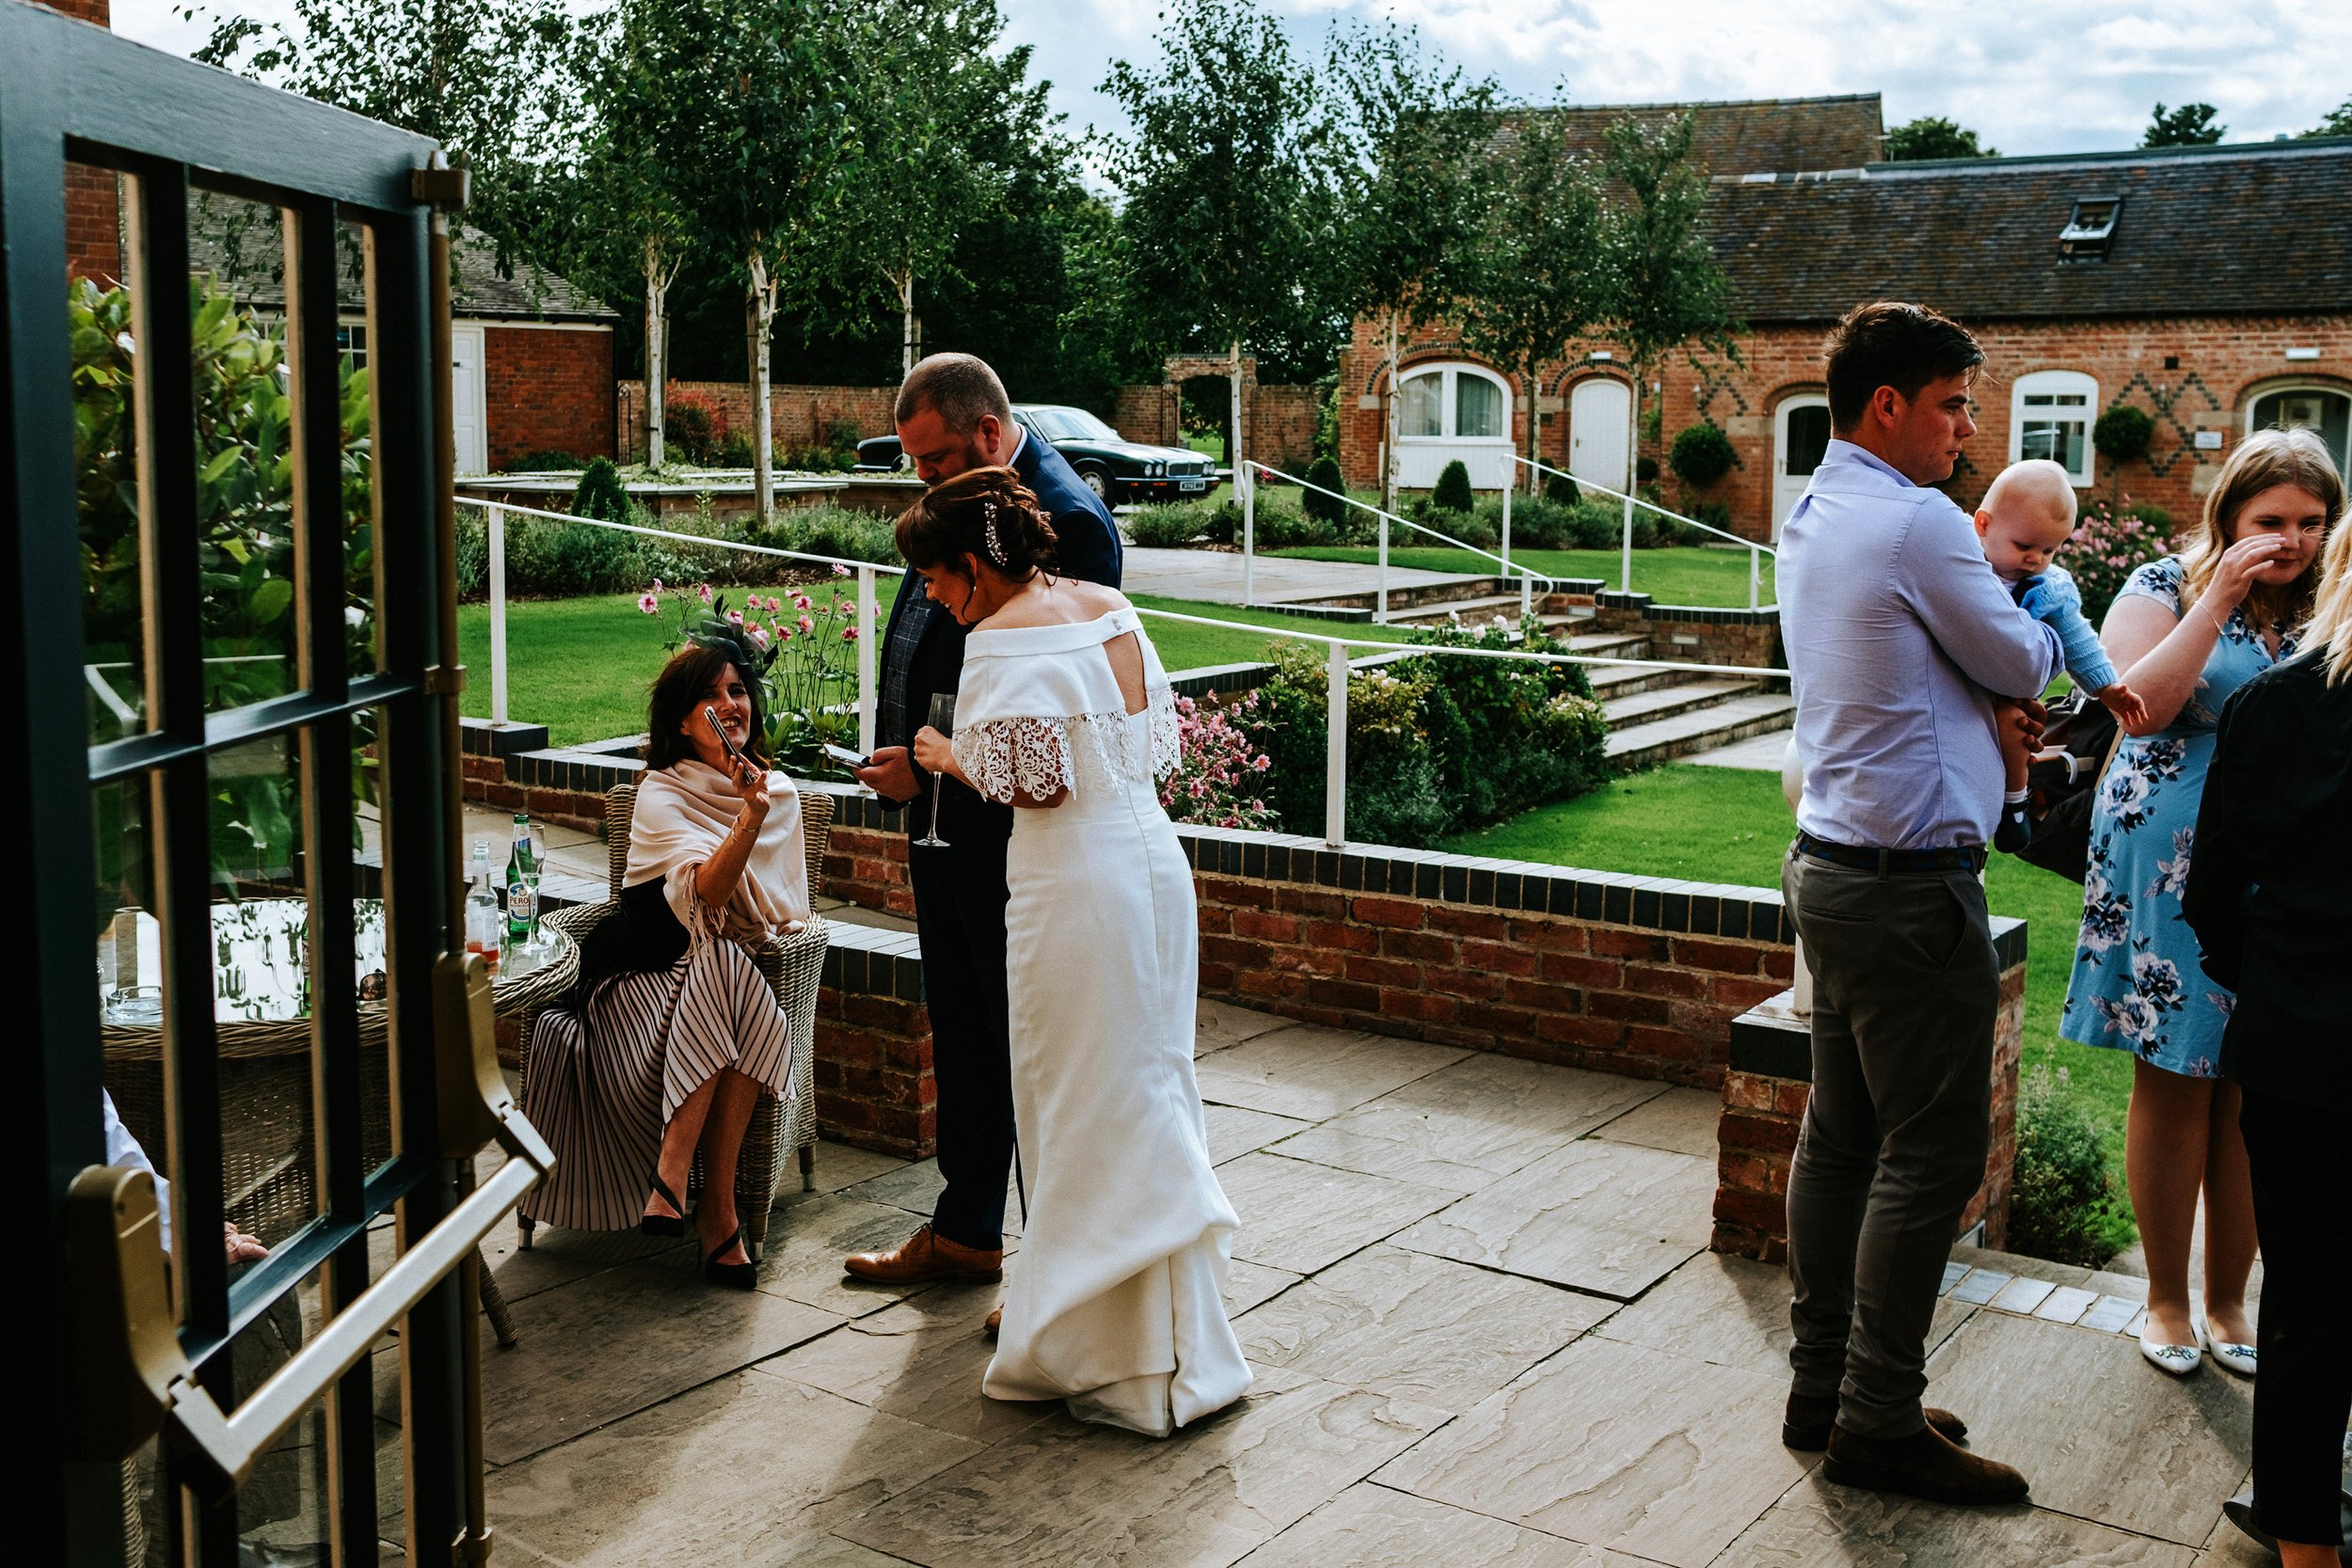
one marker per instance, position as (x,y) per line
(952,417)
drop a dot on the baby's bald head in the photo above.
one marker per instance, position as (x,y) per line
(2026,516)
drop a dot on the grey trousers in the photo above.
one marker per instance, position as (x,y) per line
(1906,991)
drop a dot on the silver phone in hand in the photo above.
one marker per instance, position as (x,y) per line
(720,731)
(846,757)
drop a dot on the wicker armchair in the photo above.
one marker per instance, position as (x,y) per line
(793,966)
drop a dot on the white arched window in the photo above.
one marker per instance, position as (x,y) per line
(2324,411)
(1450,411)
(2050,414)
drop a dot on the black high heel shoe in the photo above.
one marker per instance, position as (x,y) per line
(663,1225)
(743,1276)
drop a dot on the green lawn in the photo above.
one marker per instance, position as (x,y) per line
(582,666)
(1730,825)
(1681,575)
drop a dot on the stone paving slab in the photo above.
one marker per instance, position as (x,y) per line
(1734,1312)
(1615,1446)
(1682,1120)
(1467,1124)
(2098,1432)
(1415,1327)
(1369,1525)
(1314,1073)
(1235,1131)
(1303,1217)
(1275,579)
(1819,1525)
(1611,1219)
(1218,1024)
(920,1360)
(1062,1493)
(746,1461)
(573,1380)
(807,1241)
(916,1188)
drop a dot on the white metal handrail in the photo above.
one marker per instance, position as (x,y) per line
(1754,548)
(1526,577)
(1335,708)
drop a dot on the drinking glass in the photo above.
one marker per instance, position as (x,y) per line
(944,720)
(538,869)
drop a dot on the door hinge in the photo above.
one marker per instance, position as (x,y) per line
(443,186)
(444,680)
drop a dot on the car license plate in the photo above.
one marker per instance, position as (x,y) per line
(1186,486)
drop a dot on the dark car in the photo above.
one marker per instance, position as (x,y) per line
(1114,469)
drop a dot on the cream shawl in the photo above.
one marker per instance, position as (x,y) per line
(682,812)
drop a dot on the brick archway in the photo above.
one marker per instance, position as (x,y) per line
(1180,368)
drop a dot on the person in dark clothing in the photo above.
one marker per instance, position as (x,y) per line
(2265,896)
(952,417)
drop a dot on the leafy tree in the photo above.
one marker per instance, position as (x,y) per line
(770,154)
(1412,130)
(483,77)
(2190,125)
(936,107)
(1934,136)
(2336,122)
(1667,292)
(1228,179)
(1533,284)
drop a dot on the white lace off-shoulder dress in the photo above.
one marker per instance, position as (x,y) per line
(1115,1304)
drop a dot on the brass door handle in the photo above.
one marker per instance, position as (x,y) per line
(126,1345)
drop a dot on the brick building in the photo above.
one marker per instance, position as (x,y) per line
(2210,286)
(532,356)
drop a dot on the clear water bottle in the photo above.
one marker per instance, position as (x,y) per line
(485,927)
(522,888)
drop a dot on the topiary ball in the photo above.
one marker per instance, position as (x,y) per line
(1702,455)
(2123,432)
(1561,490)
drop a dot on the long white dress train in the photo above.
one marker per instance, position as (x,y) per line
(1115,1304)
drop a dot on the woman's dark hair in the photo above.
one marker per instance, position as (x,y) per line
(1888,343)
(983,512)
(680,688)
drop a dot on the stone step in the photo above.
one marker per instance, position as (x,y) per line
(1688,694)
(1485,608)
(1622,680)
(1615,645)
(1701,729)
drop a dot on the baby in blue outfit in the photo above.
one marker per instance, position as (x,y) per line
(2024,517)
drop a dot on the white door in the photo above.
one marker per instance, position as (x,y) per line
(1598,411)
(1800,435)
(468,388)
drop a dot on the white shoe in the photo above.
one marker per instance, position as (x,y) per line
(2238,1358)
(2180,1360)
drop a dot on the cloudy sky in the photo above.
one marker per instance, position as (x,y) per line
(2053,76)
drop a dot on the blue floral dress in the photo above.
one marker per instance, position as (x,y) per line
(2136,985)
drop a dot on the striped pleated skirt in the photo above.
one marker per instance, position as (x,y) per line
(605,1078)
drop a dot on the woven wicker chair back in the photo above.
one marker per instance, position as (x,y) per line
(620,810)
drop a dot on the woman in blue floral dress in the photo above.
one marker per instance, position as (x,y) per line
(2187,631)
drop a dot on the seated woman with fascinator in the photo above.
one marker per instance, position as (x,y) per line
(673,1034)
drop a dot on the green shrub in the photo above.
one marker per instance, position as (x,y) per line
(600,492)
(1168,528)
(692,426)
(736,452)
(1328,422)
(2123,432)
(2106,544)
(1714,513)
(2063,1204)
(1326,472)
(1434,745)
(1453,492)
(1560,490)
(548,463)
(1702,455)
(1644,471)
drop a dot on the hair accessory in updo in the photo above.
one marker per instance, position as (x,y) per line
(994,546)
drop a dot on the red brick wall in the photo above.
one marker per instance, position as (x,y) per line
(1149,415)
(874,1082)
(1757,1138)
(93,205)
(547,389)
(799,416)
(2222,363)
(1283,426)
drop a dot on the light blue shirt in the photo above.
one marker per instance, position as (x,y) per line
(1897,634)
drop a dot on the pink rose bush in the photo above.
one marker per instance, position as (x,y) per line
(1220,778)
(2107,544)
(809,684)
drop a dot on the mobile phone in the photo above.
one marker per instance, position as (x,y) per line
(720,731)
(846,757)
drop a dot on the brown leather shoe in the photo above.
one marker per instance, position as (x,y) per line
(923,1257)
(1925,1465)
(1804,1426)
(996,1322)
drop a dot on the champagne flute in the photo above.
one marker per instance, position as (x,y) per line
(538,869)
(944,720)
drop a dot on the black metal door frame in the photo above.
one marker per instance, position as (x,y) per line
(73,92)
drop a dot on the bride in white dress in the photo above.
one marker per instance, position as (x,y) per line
(1115,1305)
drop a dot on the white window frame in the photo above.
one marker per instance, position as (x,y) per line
(2264,391)
(1449,407)
(2056,383)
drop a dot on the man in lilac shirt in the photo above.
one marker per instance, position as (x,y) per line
(1898,640)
